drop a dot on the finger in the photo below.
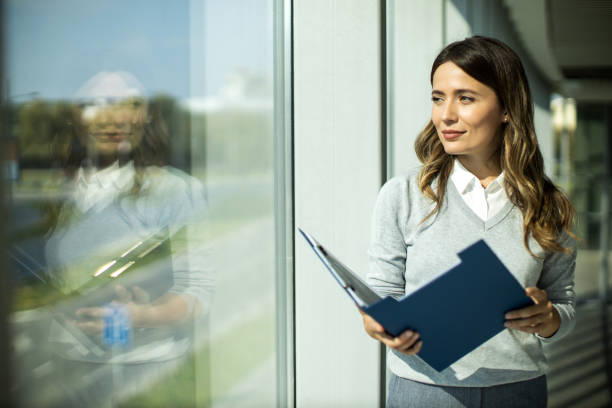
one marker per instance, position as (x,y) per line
(409,344)
(371,324)
(140,295)
(389,340)
(90,313)
(123,295)
(532,329)
(406,340)
(374,327)
(92,326)
(384,338)
(530,322)
(537,295)
(413,349)
(401,340)
(527,311)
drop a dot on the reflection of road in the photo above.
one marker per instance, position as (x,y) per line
(244,283)
(228,198)
(221,190)
(245,287)
(257,389)
(244,263)
(243,259)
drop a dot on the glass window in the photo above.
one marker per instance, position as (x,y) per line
(588,172)
(140,170)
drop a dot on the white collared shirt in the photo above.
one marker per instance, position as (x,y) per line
(97,188)
(484,202)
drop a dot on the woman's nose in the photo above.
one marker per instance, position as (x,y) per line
(449,113)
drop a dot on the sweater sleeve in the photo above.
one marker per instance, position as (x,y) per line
(558,280)
(387,252)
(182,208)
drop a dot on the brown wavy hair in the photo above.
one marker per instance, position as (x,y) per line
(547,212)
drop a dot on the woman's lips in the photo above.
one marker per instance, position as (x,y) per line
(111,137)
(452,134)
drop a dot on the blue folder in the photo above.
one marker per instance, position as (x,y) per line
(453,314)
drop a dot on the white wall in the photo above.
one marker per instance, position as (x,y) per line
(457,21)
(417,30)
(337,175)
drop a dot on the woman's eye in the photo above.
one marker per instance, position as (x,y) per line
(464,98)
(436,99)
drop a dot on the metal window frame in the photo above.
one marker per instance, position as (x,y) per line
(386,139)
(283,203)
(6,377)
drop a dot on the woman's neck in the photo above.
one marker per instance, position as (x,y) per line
(485,170)
(104,161)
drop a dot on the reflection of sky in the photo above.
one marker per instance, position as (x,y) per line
(54,46)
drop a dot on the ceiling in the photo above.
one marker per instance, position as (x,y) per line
(571,43)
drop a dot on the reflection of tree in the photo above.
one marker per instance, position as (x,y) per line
(42,127)
(234,139)
(45,130)
(169,114)
(242,84)
(239,141)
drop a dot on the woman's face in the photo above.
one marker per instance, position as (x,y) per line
(466,113)
(115,127)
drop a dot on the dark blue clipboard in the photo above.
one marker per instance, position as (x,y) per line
(453,314)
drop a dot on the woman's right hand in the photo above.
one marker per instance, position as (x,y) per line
(408,342)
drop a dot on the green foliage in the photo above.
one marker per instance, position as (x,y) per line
(178,389)
(44,130)
(238,142)
(230,141)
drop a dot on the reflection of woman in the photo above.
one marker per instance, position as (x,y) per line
(482,178)
(122,195)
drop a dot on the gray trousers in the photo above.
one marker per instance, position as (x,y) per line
(407,393)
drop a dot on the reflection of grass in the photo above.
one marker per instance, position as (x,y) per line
(220,228)
(33,296)
(39,182)
(237,210)
(240,351)
(178,389)
(243,202)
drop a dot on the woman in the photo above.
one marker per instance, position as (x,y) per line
(124,204)
(482,178)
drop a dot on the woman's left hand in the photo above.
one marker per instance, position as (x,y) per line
(542,318)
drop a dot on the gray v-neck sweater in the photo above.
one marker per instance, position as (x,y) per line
(405,254)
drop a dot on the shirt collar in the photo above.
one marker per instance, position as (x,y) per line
(496,184)
(119,177)
(464,180)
